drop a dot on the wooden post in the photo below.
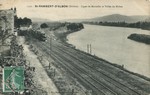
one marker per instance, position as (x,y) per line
(49,65)
(51,43)
(54,72)
(72,92)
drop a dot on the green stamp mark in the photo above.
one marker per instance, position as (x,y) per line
(13,79)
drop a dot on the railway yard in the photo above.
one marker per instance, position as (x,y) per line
(96,75)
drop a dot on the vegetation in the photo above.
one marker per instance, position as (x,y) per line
(140,38)
(74,26)
(22,22)
(142,25)
(60,29)
(69,27)
(33,34)
(44,25)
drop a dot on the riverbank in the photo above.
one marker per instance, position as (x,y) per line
(61,33)
(113,64)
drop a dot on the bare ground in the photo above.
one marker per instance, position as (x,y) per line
(41,79)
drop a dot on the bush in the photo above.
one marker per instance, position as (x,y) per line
(44,25)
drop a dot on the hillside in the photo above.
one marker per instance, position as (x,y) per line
(39,20)
(120,18)
(112,18)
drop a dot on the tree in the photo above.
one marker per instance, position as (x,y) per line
(44,25)
(19,21)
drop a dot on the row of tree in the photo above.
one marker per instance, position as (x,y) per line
(142,25)
(74,26)
(140,38)
(69,26)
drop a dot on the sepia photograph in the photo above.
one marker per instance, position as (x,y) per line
(74,47)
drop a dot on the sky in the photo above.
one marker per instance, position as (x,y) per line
(82,8)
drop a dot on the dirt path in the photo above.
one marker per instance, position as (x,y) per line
(40,76)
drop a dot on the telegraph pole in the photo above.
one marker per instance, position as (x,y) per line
(51,43)
(90,49)
(87,48)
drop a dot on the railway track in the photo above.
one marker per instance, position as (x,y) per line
(110,71)
(101,74)
(99,81)
(101,71)
(96,90)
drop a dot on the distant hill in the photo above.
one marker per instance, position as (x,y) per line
(148,19)
(40,20)
(74,20)
(112,18)
(120,18)
(107,18)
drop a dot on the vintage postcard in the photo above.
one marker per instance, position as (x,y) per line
(75,47)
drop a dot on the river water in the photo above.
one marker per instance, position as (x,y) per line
(111,44)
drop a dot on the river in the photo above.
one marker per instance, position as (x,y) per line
(111,44)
